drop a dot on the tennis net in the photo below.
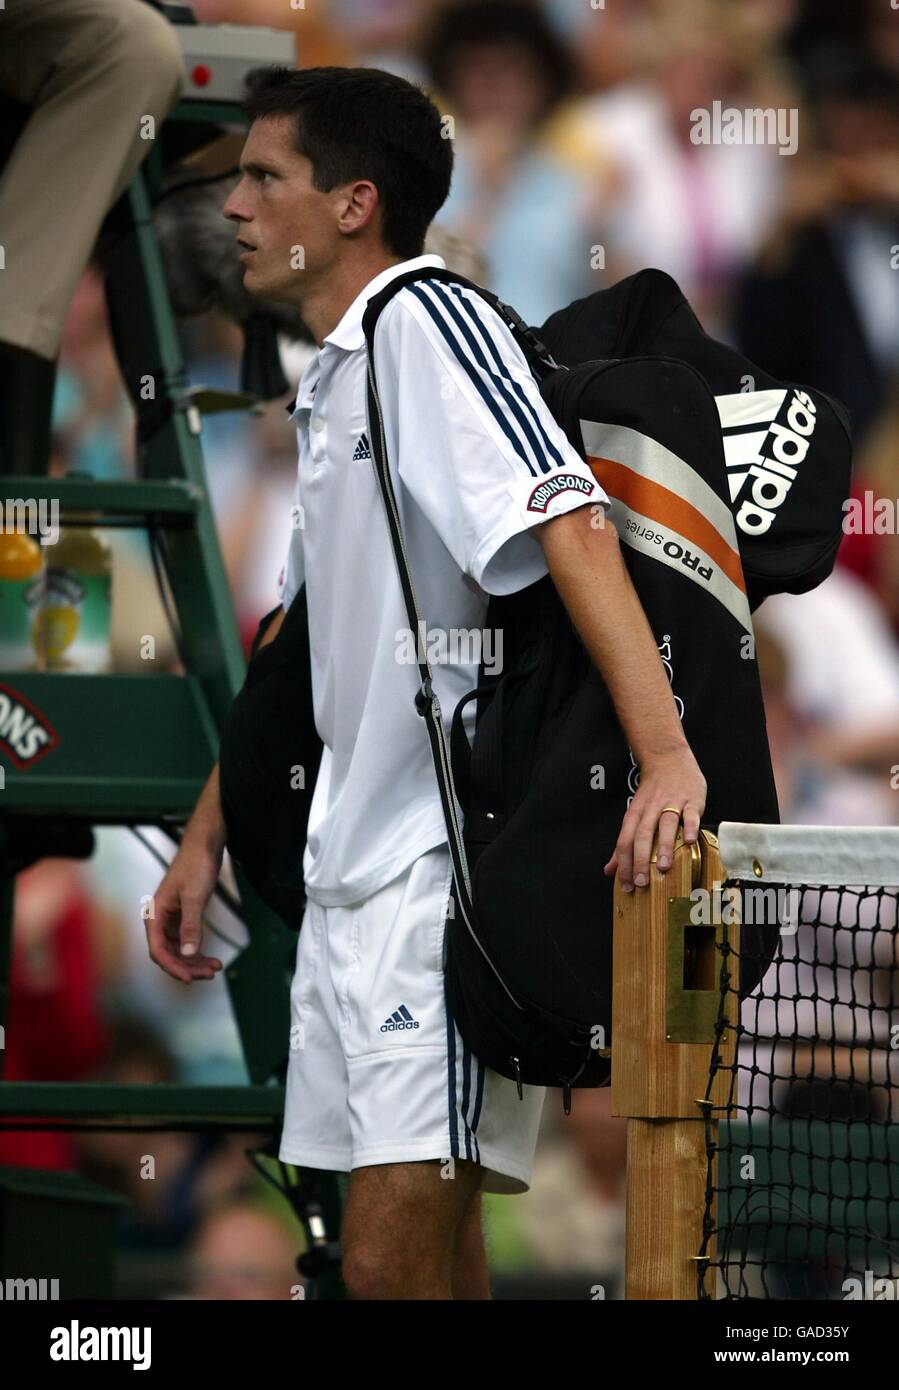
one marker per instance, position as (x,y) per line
(802,1193)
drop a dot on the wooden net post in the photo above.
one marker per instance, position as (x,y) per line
(666,1000)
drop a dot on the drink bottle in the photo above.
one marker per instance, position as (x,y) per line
(21,576)
(76,609)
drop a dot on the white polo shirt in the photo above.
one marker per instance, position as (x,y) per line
(478,461)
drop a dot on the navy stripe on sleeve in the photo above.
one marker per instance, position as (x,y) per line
(477,335)
(506,410)
(468,301)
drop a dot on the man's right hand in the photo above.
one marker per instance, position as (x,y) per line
(175,929)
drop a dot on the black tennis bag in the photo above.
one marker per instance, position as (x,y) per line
(535,805)
(269,754)
(787,449)
(545,786)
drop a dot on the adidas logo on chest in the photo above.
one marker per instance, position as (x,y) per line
(361,451)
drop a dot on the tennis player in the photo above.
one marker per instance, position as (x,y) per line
(343,171)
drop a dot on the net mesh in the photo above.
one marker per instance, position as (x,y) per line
(802,1193)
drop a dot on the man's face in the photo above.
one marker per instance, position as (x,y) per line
(290,226)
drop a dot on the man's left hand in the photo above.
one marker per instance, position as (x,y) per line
(666,780)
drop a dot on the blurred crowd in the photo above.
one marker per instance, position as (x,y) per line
(574,167)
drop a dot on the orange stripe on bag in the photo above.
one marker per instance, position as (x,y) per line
(666,508)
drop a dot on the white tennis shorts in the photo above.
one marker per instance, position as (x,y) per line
(378,1073)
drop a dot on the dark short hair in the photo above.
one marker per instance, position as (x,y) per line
(362,123)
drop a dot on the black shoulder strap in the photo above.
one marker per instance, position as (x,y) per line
(426,701)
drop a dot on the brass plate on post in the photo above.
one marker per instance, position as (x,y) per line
(692,1002)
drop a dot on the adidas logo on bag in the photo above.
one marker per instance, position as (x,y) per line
(766,434)
(400,1018)
(362,450)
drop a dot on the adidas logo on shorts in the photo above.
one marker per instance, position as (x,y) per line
(400,1018)
(362,451)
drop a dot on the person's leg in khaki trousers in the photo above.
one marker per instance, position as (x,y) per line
(93,71)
